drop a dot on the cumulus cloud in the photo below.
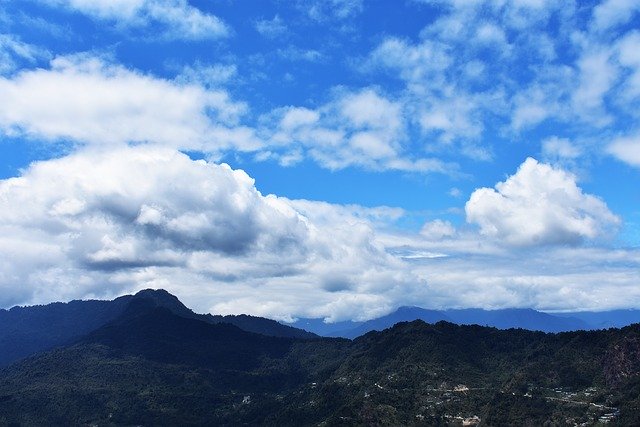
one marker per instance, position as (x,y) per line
(102,222)
(539,205)
(90,101)
(178,18)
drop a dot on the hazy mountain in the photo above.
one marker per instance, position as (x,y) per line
(605,319)
(402,314)
(517,318)
(28,330)
(503,319)
(320,327)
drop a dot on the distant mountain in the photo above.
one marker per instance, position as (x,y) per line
(605,319)
(28,330)
(517,318)
(403,314)
(320,327)
(503,319)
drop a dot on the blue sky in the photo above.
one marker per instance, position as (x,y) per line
(330,158)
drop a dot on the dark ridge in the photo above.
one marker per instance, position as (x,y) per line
(29,330)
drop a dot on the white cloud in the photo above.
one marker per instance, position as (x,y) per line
(271,28)
(208,76)
(13,51)
(438,229)
(293,53)
(554,148)
(446,110)
(415,63)
(178,18)
(596,77)
(91,102)
(626,149)
(103,222)
(629,57)
(325,10)
(492,35)
(611,13)
(361,128)
(539,205)
(469,270)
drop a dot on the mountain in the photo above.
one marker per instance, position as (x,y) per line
(29,330)
(260,325)
(518,318)
(503,319)
(152,367)
(402,314)
(320,327)
(605,319)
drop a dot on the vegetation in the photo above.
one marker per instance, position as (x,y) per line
(151,366)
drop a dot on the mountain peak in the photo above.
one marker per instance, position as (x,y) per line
(162,298)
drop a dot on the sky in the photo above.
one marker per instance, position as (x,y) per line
(321,158)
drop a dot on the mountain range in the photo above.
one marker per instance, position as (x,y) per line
(502,319)
(28,330)
(147,359)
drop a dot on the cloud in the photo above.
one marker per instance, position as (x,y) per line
(357,128)
(103,222)
(445,110)
(539,205)
(438,229)
(292,53)
(208,76)
(91,102)
(469,270)
(597,76)
(626,149)
(271,28)
(629,58)
(177,18)
(99,223)
(487,68)
(611,13)
(328,10)
(13,51)
(560,149)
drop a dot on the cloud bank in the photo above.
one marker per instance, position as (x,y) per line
(98,222)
